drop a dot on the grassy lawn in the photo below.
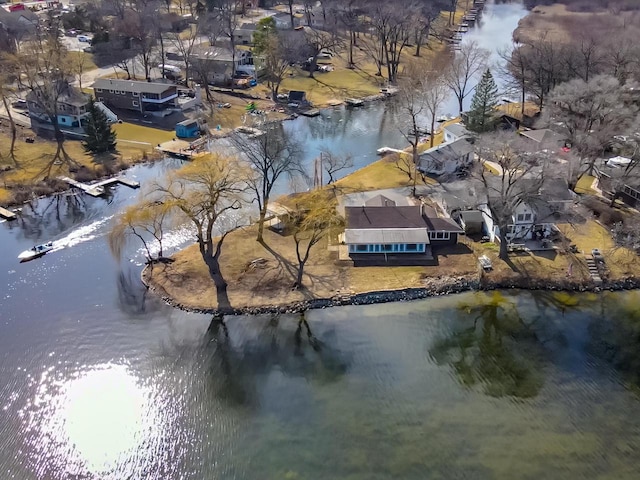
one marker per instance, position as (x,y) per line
(384,173)
(380,174)
(585,185)
(33,158)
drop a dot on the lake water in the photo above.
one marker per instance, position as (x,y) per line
(99,380)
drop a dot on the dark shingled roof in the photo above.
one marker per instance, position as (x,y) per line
(384,217)
(398,217)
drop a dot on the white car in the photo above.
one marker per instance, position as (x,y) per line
(83,38)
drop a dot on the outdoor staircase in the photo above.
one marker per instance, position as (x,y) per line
(111,117)
(593,270)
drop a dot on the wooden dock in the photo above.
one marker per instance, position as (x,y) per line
(177,148)
(354,102)
(97,189)
(92,190)
(7,214)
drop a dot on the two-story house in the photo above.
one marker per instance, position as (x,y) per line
(71,107)
(220,64)
(143,97)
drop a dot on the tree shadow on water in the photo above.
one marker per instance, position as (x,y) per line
(239,360)
(494,349)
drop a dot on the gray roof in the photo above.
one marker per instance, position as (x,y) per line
(542,136)
(131,86)
(448,151)
(457,129)
(384,217)
(471,216)
(380,201)
(385,236)
(439,224)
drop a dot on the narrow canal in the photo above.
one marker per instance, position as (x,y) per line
(99,380)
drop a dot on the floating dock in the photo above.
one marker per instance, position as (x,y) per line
(8,214)
(97,189)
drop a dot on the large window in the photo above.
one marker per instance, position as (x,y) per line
(439,235)
(361,248)
(387,248)
(412,247)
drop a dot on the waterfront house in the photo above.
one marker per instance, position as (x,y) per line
(447,158)
(144,97)
(454,131)
(71,107)
(381,232)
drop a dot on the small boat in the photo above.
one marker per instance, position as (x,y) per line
(35,252)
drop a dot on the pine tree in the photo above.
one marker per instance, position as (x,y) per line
(481,117)
(100,136)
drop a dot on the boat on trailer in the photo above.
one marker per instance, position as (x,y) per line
(35,252)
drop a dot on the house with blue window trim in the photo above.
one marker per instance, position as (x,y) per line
(381,232)
(72,106)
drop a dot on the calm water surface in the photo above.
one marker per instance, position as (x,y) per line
(100,381)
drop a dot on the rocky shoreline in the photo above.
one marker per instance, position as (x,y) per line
(434,287)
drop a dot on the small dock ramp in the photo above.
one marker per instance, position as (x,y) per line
(92,190)
(7,214)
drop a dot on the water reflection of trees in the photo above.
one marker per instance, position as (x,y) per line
(52,215)
(615,334)
(237,361)
(494,348)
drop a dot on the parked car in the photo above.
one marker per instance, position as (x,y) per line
(19,104)
(71,33)
(83,38)
(89,49)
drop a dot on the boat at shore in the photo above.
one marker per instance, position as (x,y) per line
(35,252)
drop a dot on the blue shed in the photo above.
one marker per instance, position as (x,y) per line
(187,129)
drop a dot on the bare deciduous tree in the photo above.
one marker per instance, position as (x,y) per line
(592,113)
(518,181)
(205,192)
(145,221)
(271,156)
(333,163)
(466,65)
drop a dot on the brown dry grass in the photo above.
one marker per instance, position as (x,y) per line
(562,25)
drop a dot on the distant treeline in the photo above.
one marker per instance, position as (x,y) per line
(588,5)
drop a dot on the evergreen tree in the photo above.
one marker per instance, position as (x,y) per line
(265,30)
(481,117)
(100,136)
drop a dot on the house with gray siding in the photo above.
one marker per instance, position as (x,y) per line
(71,107)
(381,232)
(144,97)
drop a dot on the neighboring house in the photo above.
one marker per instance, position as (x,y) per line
(143,97)
(220,65)
(543,138)
(447,158)
(283,21)
(614,183)
(386,232)
(472,221)
(454,131)
(535,219)
(243,34)
(72,108)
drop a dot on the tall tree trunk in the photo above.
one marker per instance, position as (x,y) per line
(14,131)
(504,251)
(212,261)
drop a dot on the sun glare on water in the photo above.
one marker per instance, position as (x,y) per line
(99,422)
